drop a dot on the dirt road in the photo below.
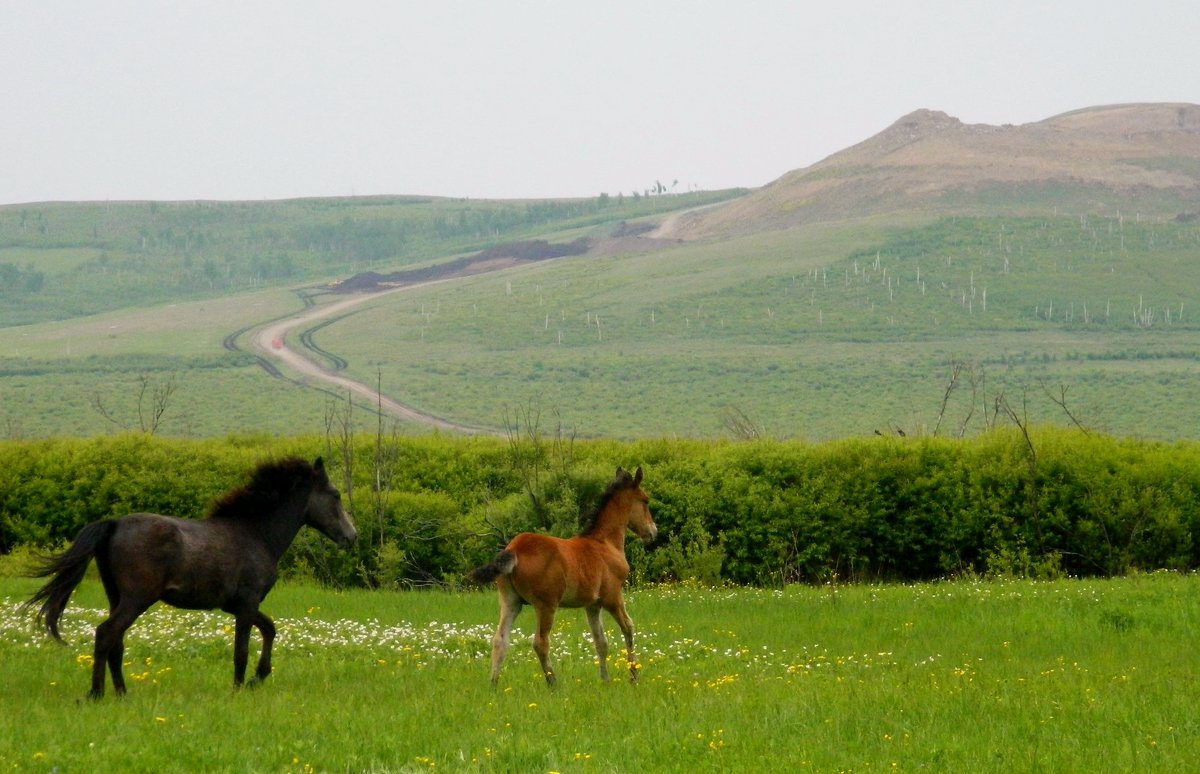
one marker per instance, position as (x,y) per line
(264,341)
(271,342)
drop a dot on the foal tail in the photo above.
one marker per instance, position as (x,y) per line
(503,564)
(68,569)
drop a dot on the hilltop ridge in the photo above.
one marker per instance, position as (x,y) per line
(1105,158)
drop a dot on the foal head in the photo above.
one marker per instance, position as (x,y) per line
(324,511)
(636,503)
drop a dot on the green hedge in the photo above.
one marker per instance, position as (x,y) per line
(760,512)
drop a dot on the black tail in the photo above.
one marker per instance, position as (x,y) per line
(68,569)
(503,564)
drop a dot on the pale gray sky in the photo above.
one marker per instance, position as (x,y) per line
(143,99)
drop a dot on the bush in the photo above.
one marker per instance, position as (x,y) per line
(760,512)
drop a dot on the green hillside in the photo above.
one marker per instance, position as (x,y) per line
(818,333)
(63,260)
(937,278)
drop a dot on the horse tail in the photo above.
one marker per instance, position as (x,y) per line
(504,563)
(67,569)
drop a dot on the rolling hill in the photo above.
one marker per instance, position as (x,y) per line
(935,278)
(1104,161)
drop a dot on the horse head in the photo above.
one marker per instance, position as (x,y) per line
(640,520)
(324,511)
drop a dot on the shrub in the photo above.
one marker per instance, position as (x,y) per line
(759,512)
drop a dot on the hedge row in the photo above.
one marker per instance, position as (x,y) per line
(764,512)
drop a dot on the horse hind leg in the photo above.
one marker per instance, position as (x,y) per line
(510,605)
(599,640)
(241,647)
(109,651)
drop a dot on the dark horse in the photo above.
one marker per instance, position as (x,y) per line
(225,561)
(585,571)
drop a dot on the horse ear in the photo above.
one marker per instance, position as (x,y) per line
(621,472)
(637,476)
(319,464)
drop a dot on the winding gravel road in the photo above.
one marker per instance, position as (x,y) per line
(263,343)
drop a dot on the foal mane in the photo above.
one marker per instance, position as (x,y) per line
(269,483)
(619,484)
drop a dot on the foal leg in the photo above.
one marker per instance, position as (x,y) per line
(598,639)
(510,605)
(541,642)
(626,624)
(266,627)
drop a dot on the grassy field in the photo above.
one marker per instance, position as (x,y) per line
(68,259)
(58,370)
(823,331)
(1065,676)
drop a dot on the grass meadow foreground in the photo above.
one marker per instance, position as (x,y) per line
(1063,676)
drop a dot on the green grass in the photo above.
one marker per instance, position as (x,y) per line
(94,257)
(1065,676)
(817,333)
(823,331)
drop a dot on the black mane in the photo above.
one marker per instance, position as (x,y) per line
(269,484)
(622,482)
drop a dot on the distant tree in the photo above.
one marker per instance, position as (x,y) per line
(152,402)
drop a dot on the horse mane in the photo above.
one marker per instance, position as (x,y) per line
(622,482)
(269,483)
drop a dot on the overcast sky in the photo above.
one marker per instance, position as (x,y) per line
(126,99)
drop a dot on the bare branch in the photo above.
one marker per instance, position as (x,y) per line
(977,383)
(1021,420)
(739,424)
(1061,401)
(151,404)
(160,398)
(526,452)
(956,368)
(98,405)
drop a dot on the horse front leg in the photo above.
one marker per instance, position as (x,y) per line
(266,627)
(599,640)
(626,624)
(541,642)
